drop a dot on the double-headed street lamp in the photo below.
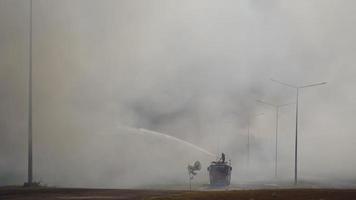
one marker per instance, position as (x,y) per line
(276,107)
(297,88)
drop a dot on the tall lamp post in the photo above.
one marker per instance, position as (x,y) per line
(276,107)
(248,136)
(30,169)
(297,88)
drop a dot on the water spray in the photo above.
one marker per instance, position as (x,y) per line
(168,137)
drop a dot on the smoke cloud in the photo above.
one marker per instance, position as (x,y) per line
(189,69)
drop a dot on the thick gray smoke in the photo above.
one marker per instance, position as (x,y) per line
(190,69)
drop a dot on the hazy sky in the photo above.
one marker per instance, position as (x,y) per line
(191,69)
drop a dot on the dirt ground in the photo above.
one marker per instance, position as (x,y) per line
(89,194)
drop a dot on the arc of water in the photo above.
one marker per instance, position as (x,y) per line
(169,137)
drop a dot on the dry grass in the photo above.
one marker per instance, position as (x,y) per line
(272,194)
(286,194)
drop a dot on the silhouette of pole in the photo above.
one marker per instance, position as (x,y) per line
(248,137)
(297,88)
(276,145)
(296,140)
(30,169)
(276,107)
(248,142)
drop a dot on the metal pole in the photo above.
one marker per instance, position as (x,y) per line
(296,122)
(29,178)
(248,138)
(276,153)
(248,143)
(276,107)
(190,184)
(296,141)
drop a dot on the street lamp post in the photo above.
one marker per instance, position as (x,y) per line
(248,136)
(30,169)
(276,107)
(297,88)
